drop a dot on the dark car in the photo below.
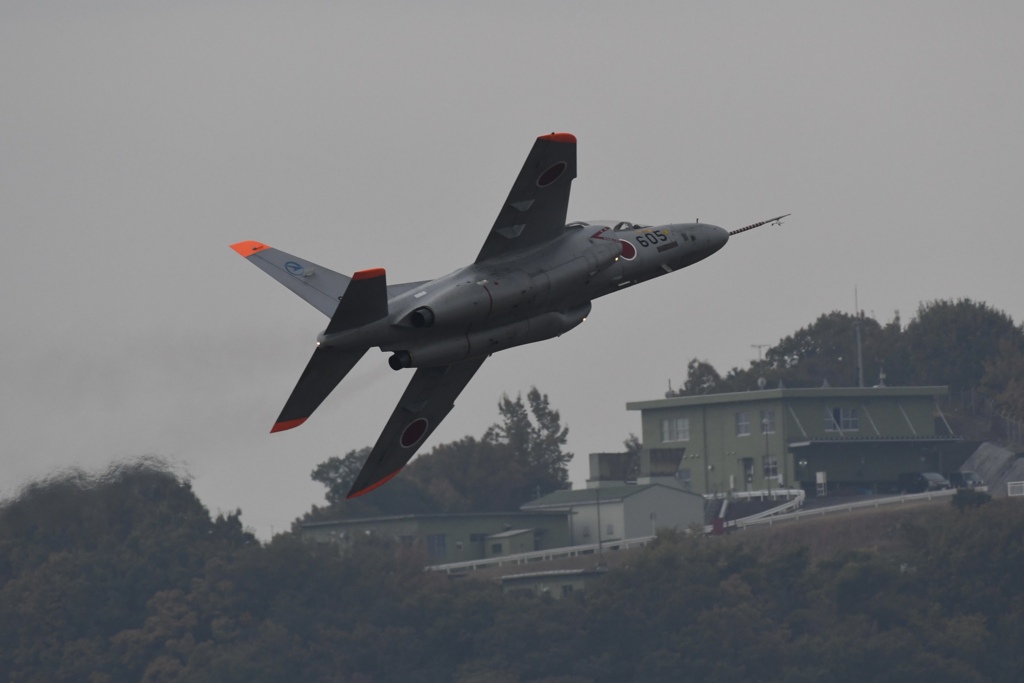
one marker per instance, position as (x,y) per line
(919,482)
(965,480)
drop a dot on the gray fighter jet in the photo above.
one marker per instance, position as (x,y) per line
(534,279)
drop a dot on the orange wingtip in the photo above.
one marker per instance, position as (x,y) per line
(559,137)
(287,424)
(368,273)
(374,486)
(249,247)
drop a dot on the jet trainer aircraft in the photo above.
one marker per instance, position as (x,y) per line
(534,279)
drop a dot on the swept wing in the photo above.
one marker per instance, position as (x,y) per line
(537,205)
(429,397)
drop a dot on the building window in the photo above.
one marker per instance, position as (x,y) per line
(566,591)
(495,549)
(609,530)
(767,421)
(477,538)
(742,424)
(770,465)
(841,419)
(675,429)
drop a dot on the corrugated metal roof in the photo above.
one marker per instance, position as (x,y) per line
(611,494)
(787,393)
(422,517)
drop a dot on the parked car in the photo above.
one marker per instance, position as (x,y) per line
(965,480)
(919,482)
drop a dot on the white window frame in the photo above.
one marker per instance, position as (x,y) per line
(675,429)
(743,423)
(767,421)
(849,420)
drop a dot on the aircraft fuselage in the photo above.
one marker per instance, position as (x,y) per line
(528,296)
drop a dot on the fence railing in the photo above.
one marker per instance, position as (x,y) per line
(848,507)
(1015,488)
(540,555)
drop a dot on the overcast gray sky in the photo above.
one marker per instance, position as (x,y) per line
(140,139)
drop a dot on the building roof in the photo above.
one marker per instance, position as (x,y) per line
(610,494)
(787,393)
(422,517)
(510,533)
(553,574)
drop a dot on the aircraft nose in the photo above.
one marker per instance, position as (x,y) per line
(716,237)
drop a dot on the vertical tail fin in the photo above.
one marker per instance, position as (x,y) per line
(365,301)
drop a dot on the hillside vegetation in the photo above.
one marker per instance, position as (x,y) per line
(125,577)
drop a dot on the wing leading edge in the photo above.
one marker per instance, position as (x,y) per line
(427,400)
(538,202)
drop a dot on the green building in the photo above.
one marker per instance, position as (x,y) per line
(819,439)
(453,537)
(609,511)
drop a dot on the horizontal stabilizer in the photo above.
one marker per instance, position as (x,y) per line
(429,397)
(318,286)
(325,369)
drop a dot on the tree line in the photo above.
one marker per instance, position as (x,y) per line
(124,576)
(960,343)
(518,458)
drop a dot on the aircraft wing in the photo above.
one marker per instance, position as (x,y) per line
(429,397)
(537,205)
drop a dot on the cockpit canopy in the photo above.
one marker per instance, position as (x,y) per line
(617,226)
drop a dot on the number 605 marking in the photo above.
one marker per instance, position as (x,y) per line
(651,238)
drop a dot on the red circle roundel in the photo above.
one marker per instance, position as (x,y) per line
(628,250)
(414,432)
(552,174)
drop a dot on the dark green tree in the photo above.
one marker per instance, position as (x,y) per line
(949,342)
(536,444)
(338,474)
(1003,380)
(517,458)
(701,378)
(827,351)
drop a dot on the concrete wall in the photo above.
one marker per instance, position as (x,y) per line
(997,466)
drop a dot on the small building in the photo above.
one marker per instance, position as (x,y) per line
(453,537)
(602,514)
(819,439)
(510,542)
(558,583)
